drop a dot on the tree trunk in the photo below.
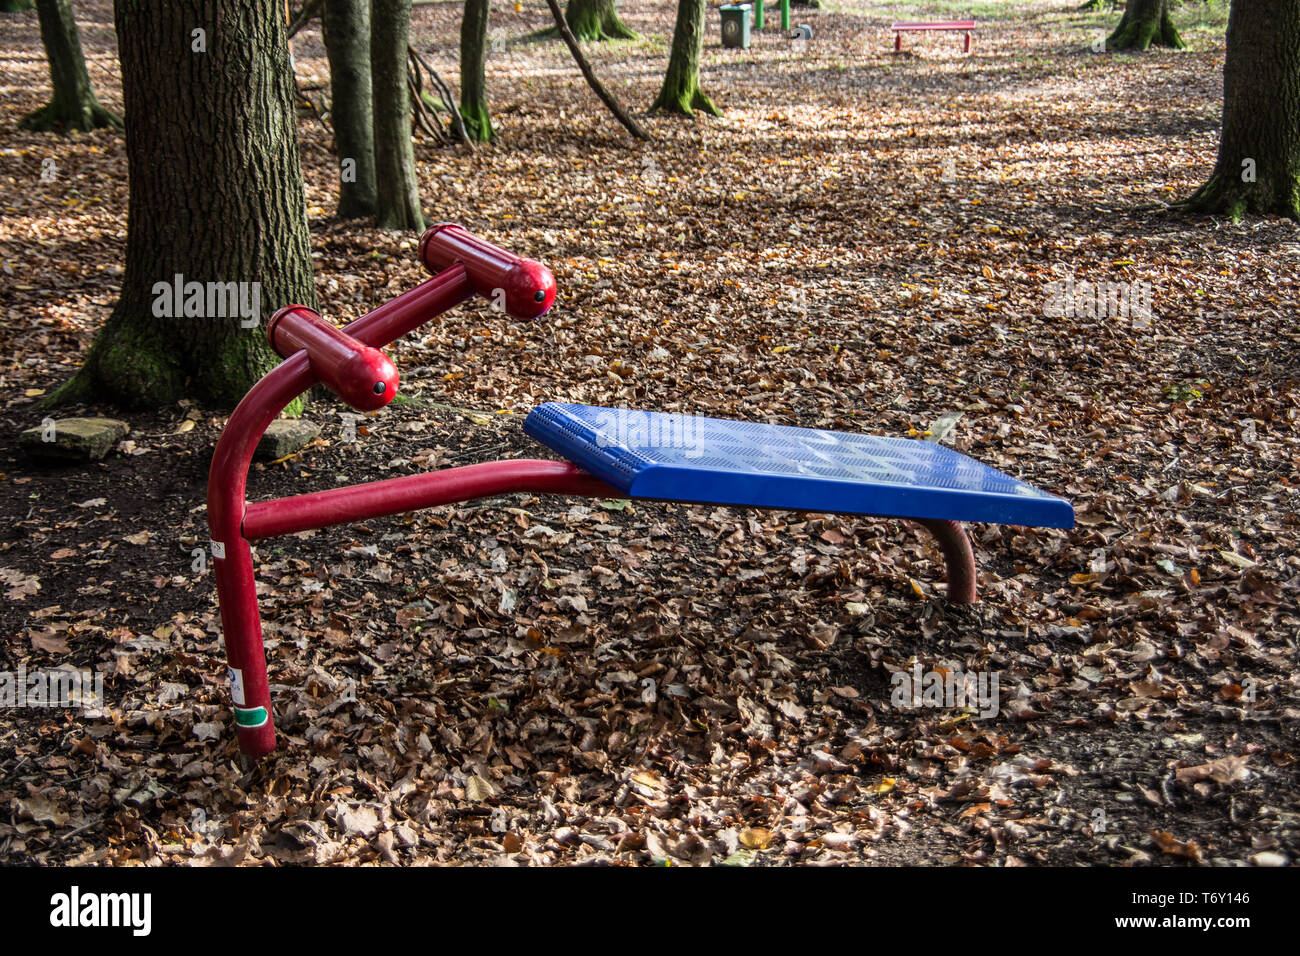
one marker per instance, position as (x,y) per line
(681,91)
(216,196)
(1258,169)
(473,59)
(398,187)
(346,25)
(73,105)
(1145,22)
(593,20)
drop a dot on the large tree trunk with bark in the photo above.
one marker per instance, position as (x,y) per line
(681,91)
(73,105)
(1145,22)
(594,20)
(398,186)
(216,197)
(346,25)
(473,63)
(1258,169)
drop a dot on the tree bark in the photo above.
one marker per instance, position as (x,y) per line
(473,61)
(397,185)
(1258,168)
(681,91)
(216,196)
(346,25)
(594,20)
(73,105)
(1145,22)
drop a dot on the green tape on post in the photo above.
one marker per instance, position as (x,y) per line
(250,716)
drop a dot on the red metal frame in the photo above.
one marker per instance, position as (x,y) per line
(349,362)
(321,353)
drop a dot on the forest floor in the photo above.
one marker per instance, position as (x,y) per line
(863,241)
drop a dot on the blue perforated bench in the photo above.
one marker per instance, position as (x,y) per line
(686,458)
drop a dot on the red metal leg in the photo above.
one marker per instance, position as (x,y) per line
(241,623)
(898,41)
(958,558)
(232,561)
(967,48)
(227,482)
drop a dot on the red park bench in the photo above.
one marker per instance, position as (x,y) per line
(957,26)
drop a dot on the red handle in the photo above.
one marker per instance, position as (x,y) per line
(360,375)
(524,287)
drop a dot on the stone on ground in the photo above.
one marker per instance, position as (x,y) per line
(74,439)
(284,437)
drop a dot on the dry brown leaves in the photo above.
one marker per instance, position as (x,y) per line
(863,242)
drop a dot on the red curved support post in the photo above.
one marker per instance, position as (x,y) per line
(958,558)
(348,361)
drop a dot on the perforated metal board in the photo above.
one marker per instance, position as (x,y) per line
(716,461)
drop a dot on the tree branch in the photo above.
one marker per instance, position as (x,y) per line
(631,125)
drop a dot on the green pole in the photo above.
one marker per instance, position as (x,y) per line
(785,16)
(758,14)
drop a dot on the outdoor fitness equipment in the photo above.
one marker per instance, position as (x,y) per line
(611,453)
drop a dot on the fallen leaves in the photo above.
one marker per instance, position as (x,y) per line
(18,585)
(1225,770)
(634,682)
(1168,844)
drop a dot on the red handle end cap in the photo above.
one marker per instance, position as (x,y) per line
(529,289)
(368,380)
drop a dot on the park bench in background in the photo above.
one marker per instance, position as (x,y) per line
(611,453)
(957,26)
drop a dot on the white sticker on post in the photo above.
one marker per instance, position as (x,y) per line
(236,685)
(218,549)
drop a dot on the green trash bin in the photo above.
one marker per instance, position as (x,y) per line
(735,25)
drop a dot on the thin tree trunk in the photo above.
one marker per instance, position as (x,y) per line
(1258,168)
(397,191)
(594,20)
(346,25)
(1145,22)
(216,196)
(681,91)
(473,80)
(606,97)
(73,105)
